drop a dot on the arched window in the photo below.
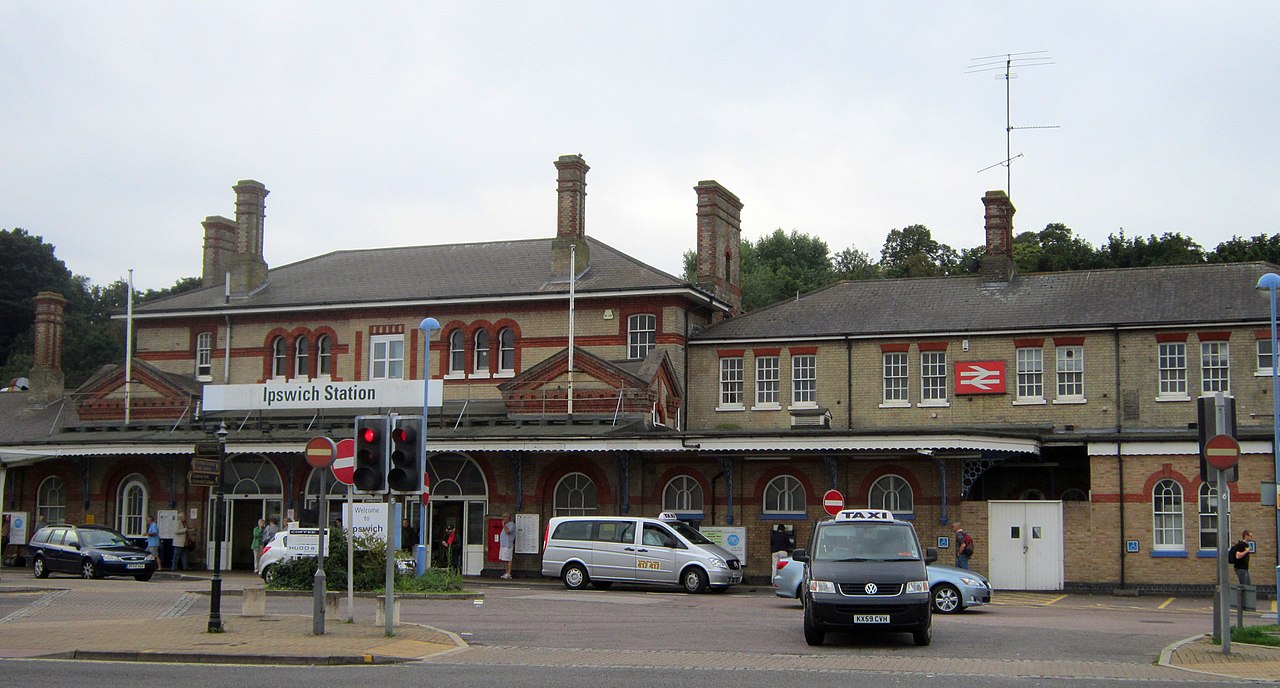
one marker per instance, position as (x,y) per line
(575,495)
(1074,494)
(454,475)
(204,355)
(324,356)
(682,494)
(457,353)
(641,333)
(893,493)
(1208,516)
(482,353)
(301,357)
(131,506)
(279,358)
(1166,509)
(784,495)
(506,350)
(251,474)
(51,501)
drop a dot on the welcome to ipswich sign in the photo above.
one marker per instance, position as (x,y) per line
(275,396)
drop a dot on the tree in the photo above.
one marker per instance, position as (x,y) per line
(1054,249)
(852,264)
(780,265)
(1169,249)
(1238,250)
(912,252)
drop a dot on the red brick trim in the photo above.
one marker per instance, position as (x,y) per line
(932,346)
(1029,343)
(803,350)
(730,353)
(766,352)
(895,347)
(1171,337)
(1215,336)
(1068,341)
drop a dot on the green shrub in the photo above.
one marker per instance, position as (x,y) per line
(369,570)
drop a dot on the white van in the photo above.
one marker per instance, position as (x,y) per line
(602,550)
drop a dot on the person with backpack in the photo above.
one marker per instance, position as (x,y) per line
(964,545)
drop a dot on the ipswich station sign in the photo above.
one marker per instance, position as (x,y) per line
(273,396)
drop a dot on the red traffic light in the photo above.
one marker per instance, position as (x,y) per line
(368,435)
(402,435)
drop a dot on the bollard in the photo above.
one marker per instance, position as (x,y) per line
(380,618)
(253,602)
(331,604)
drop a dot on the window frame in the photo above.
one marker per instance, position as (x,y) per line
(785,498)
(51,500)
(1207,522)
(894,489)
(642,335)
(685,488)
(804,380)
(204,356)
(279,358)
(506,351)
(578,488)
(933,378)
(131,515)
(895,373)
(324,356)
(732,379)
(1167,507)
(1172,375)
(768,383)
(481,357)
(1029,386)
(457,354)
(301,357)
(386,358)
(1215,366)
(1258,345)
(1069,378)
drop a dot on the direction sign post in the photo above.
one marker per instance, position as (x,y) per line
(833,502)
(321,452)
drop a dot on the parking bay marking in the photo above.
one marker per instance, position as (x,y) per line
(611,598)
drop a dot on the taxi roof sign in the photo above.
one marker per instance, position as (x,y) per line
(881,515)
(668,516)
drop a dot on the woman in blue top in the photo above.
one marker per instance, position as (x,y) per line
(153,540)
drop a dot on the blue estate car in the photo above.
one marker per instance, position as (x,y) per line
(951,589)
(87,551)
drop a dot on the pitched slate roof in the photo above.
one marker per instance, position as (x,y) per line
(486,270)
(1128,297)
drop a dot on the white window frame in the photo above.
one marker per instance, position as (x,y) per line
(279,358)
(896,380)
(787,495)
(204,356)
(51,501)
(893,493)
(301,357)
(457,354)
(642,332)
(1166,517)
(1069,364)
(132,506)
(1029,361)
(933,378)
(481,353)
(386,357)
(324,356)
(1263,347)
(1215,367)
(768,383)
(506,352)
(683,495)
(1208,521)
(1171,359)
(804,381)
(579,496)
(731,381)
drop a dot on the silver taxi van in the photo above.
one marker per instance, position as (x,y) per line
(602,550)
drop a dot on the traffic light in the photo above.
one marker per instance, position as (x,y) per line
(406,451)
(371,454)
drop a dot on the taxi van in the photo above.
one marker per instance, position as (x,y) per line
(603,550)
(865,571)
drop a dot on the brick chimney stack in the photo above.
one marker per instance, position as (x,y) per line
(47,382)
(571,216)
(718,260)
(219,246)
(997,259)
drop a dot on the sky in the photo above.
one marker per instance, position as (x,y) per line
(373,124)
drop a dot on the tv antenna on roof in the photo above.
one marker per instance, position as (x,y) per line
(1007,63)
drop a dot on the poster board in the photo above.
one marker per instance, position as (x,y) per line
(527,533)
(366,518)
(19,527)
(731,538)
(167,519)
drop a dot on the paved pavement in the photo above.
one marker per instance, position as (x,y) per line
(40,618)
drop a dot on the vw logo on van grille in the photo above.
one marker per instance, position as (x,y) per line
(871,589)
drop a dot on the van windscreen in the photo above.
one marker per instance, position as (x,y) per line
(689,533)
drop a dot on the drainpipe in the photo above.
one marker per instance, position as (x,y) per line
(726,468)
(624,480)
(714,479)
(226,354)
(848,374)
(942,481)
(1119,452)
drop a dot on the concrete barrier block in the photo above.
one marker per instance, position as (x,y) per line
(380,618)
(253,602)
(331,604)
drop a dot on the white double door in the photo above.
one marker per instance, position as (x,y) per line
(1026,545)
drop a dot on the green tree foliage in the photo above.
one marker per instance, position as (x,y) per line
(29,267)
(1238,250)
(912,252)
(852,264)
(1170,248)
(780,265)
(1053,249)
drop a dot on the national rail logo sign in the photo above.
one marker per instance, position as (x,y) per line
(980,377)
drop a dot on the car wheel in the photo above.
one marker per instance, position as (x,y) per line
(814,634)
(38,568)
(800,592)
(269,574)
(923,635)
(946,599)
(602,585)
(89,570)
(693,580)
(575,577)
(142,577)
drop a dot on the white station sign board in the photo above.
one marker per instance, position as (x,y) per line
(292,395)
(367,518)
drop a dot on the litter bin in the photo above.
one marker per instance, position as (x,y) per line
(1244,597)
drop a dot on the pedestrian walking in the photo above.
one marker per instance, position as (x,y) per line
(506,544)
(408,535)
(963,545)
(181,542)
(153,541)
(256,542)
(269,533)
(1238,555)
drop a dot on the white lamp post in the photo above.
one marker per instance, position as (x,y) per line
(1271,282)
(428,325)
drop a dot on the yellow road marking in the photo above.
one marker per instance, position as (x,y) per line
(1166,603)
(1059,598)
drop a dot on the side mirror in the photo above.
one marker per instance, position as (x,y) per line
(930,555)
(800,555)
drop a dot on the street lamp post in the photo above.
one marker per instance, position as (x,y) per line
(1271,282)
(215,584)
(427,326)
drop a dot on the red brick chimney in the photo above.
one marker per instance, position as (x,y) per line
(997,260)
(219,246)
(248,267)
(47,382)
(718,260)
(571,216)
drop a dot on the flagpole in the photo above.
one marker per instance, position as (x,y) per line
(128,351)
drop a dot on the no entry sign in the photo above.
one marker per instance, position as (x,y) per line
(833,502)
(344,465)
(1222,452)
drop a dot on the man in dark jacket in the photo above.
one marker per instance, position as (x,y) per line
(1238,555)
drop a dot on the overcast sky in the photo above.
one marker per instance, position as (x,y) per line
(124,124)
